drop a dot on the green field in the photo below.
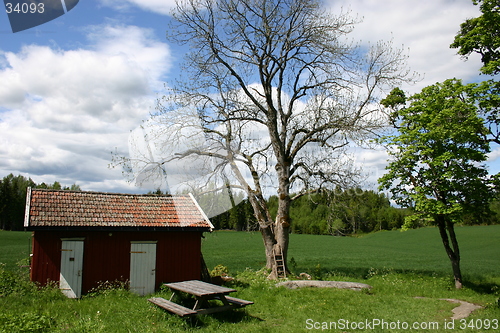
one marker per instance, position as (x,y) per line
(14,247)
(399,265)
(416,250)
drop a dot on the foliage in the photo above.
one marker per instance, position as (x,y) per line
(344,212)
(14,282)
(486,96)
(7,281)
(437,154)
(24,322)
(13,199)
(437,158)
(108,287)
(341,213)
(482,35)
(219,270)
(239,217)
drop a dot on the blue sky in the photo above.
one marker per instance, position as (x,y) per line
(73,89)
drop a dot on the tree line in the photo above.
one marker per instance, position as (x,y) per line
(13,199)
(339,213)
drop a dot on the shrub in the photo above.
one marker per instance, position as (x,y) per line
(108,287)
(250,277)
(15,282)
(219,270)
(24,322)
(7,281)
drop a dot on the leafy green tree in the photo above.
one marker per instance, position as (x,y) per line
(158,192)
(482,35)
(436,160)
(73,187)
(343,212)
(12,201)
(240,217)
(486,95)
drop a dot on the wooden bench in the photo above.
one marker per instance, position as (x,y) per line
(238,302)
(172,307)
(203,292)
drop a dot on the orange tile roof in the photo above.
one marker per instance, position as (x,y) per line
(56,208)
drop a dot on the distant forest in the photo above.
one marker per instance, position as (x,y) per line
(13,199)
(336,213)
(339,212)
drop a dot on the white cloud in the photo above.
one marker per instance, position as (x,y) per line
(63,112)
(426,28)
(494,155)
(156,6)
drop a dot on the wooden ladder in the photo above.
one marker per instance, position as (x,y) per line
(279,262)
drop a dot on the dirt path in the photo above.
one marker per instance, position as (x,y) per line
(463,310)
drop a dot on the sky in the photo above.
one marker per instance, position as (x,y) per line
(73,90)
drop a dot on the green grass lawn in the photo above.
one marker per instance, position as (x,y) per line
(418,250)
(399,266)
(14,247)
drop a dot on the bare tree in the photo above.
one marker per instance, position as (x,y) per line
(278,92)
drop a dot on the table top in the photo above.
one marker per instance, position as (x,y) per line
(199,288)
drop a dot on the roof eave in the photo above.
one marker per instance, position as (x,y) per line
(27,208)
(120,228)
(205,217)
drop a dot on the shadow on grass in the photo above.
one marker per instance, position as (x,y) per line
(363,273)
(232,317)
(481,286)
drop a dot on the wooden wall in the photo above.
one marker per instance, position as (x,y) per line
(107,255)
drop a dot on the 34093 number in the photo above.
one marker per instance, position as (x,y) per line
(479,324)
(24,8)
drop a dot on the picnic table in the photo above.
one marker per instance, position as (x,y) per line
(202,292)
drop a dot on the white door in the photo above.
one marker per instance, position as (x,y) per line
(142,267)
(70,279)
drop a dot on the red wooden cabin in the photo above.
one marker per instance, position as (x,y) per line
(83,238)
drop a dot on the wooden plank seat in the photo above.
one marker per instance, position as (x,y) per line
(238,302)
(172,307)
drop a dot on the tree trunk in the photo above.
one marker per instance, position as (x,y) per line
(275,235)
(282,223)
(269,242)
(266,226)
(447,232)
